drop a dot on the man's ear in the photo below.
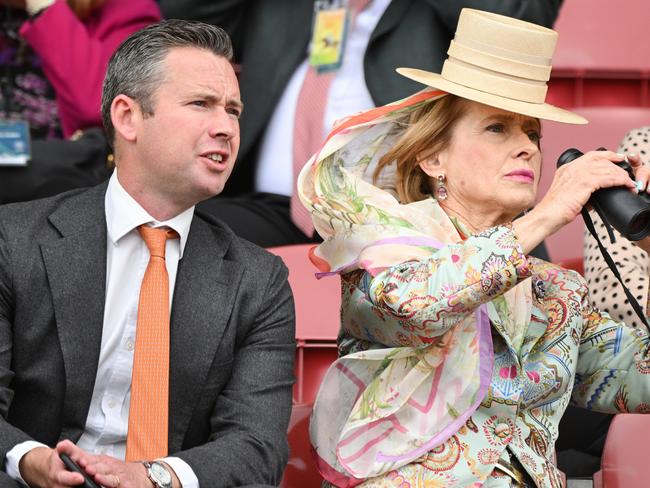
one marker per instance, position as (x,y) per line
(126,116)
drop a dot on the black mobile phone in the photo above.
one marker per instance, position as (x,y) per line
(72,466)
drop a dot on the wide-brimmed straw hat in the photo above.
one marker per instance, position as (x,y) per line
(501,62)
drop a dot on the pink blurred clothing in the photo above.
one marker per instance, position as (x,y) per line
(75,52)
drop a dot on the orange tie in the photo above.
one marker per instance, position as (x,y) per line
(149,409)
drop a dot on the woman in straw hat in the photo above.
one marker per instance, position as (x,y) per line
(459,353)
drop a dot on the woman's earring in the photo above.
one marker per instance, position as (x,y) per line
(441,188)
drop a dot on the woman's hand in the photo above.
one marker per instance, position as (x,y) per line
(641,171)
(571,188)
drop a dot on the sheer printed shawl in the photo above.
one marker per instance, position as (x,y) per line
(380,409)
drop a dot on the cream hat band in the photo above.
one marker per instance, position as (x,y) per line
(501,62)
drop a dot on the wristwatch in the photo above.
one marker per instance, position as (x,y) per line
(158,474)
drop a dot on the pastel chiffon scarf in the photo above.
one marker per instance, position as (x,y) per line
(381,409)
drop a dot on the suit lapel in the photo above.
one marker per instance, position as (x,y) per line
(76,269)
(204,295)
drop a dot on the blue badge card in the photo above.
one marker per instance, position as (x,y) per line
(14,143)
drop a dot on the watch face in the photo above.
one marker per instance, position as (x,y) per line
(161,475)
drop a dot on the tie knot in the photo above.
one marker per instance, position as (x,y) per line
(155,239)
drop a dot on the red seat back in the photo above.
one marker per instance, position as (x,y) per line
(318,304)
(624,462)
(301,469)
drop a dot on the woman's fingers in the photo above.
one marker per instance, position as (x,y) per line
(641,171)
(574,183)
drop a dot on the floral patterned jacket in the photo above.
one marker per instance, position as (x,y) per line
(569,352)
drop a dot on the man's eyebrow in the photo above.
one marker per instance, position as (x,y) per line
(213,99)
(235,102)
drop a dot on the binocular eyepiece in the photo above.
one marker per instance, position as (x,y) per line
(627,212)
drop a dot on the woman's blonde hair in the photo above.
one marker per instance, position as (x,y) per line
(83,8)
(428,132)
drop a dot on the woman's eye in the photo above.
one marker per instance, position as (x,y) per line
(534,136)
(498,128)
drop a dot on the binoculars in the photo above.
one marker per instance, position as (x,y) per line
(627,212)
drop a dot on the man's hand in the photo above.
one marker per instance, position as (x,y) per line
(41,467)
(113,473)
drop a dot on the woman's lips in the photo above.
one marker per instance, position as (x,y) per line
(521,175)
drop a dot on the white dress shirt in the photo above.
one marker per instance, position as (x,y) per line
(127,257)
(347,95)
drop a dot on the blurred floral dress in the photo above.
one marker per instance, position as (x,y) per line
(457,351)
(25,93)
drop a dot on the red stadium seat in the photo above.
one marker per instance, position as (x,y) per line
(318,304)
(301,470)
(624,462)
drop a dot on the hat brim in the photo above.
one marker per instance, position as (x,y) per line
(539,110)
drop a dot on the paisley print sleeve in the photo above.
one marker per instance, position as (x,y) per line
(613,368)
(412,303)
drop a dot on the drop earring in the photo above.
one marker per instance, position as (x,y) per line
(441,188)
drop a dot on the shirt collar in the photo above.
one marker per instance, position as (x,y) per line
(124,214)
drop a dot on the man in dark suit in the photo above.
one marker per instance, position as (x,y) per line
(71,269)
(271,44)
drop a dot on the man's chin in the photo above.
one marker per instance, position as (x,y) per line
(211,191)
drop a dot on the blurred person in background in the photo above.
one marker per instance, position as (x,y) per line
(53,56)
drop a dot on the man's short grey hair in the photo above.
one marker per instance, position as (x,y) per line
(135,69)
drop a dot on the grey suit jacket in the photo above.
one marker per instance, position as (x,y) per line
(232,339)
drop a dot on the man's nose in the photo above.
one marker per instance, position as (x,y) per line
(223,125)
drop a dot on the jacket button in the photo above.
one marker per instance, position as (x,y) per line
(502,430)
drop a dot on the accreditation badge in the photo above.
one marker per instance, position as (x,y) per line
(329,29)
(14,143)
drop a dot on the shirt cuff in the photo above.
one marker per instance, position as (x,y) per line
(185,474)
(15,455)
